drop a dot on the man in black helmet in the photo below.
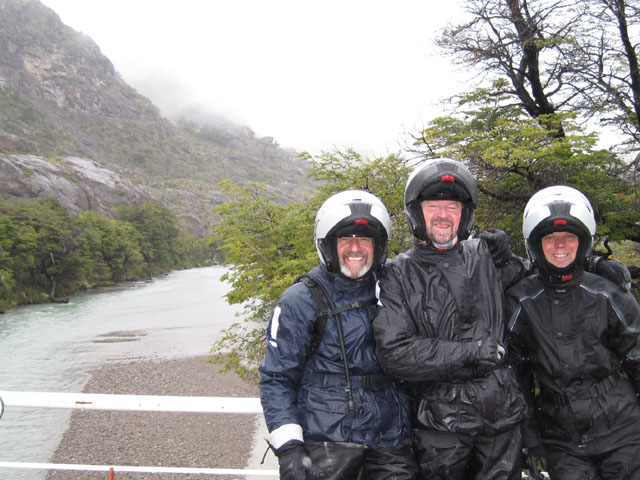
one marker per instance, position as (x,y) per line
(576,339)
(331,412)
(441,327)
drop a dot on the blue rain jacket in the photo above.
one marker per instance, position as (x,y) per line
(308,395)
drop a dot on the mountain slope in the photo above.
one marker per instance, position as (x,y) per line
(61,98)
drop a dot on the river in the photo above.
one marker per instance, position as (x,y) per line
(54,347)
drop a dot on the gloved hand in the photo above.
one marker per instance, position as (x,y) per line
(499,245)
(488,353)
(295,464)
(535,461)
(613,270)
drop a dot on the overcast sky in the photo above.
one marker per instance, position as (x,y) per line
(312,74)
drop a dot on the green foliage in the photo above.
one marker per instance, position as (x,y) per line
(111,247)
(45,253)
(266,245)
(158,235)
(44,249)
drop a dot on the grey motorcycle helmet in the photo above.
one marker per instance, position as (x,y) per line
(351,213)
(440,179)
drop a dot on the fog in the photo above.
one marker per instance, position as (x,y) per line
(313,75)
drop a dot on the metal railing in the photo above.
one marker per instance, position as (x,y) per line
(148,403)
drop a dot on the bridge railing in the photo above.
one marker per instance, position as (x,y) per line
(148,403)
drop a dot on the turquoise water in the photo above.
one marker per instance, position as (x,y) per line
(54,347)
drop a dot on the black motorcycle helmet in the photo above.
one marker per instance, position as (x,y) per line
(440,179)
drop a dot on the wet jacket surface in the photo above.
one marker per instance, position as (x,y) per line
(436,307)
(310,392)
(578,340)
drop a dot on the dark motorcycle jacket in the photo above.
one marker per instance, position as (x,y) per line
(437,309)
(304,397)
(582,342)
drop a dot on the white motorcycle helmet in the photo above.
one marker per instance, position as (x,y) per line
(351,213)
(440,179)
(555,209)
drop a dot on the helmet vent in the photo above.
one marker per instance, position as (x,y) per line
(448,178)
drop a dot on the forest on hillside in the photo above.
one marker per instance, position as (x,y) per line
(46,254)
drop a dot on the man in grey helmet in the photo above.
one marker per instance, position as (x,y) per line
(330,411)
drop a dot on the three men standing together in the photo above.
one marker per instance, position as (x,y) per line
(419,385)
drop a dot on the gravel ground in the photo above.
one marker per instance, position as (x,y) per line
(159,438)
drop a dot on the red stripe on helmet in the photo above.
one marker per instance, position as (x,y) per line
(560,222)
(448,178)
(362,221)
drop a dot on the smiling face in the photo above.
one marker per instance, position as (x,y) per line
(442,219)
(560,248)
(355,255)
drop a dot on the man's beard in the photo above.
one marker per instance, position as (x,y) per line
(352,271)
(442,239)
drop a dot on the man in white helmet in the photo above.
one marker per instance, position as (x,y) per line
(330,411)
(576,341)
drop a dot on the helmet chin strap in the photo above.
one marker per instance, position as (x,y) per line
(558,277)
(445,246)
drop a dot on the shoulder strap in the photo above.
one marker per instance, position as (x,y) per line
(323,314)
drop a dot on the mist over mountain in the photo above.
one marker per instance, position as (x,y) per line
(70,127)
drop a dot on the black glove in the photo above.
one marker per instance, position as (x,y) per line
(535,461)
(499,245)
(486,352)
(295,464)
(613,270)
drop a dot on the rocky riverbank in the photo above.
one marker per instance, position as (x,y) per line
(159,438)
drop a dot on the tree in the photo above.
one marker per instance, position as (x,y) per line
(45,251)
(577,56)
(7,283)
(560,62)
(159,235)
(112,246)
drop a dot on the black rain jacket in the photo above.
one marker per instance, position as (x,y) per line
(437,306)
(582,342)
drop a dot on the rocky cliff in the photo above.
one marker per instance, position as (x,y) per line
(71,127)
